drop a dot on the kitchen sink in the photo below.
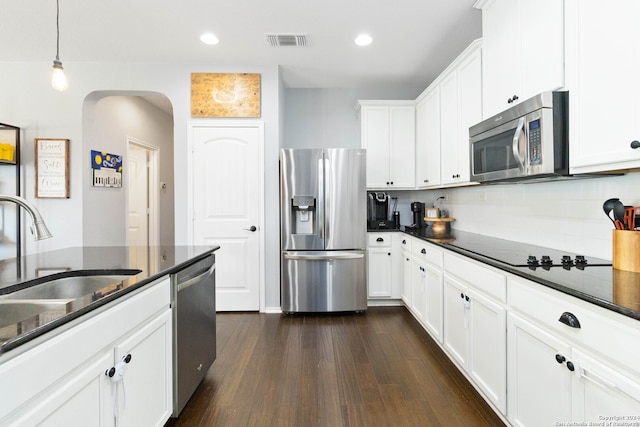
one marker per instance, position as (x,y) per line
(70,288)
(16,311)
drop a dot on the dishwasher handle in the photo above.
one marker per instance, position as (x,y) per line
(196,279)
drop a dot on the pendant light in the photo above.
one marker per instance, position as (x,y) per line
(58,80)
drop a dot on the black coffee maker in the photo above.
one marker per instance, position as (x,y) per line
(417,211)
(378,211)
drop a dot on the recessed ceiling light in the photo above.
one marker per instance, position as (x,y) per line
(209,38)
(363,40)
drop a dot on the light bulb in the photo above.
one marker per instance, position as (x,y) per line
(364,40)
(58,79)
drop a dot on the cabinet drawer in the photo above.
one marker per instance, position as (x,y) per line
(612,335)
(379,240)
(427,252)
(483,278)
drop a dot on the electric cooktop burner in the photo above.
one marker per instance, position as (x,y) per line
(524,255)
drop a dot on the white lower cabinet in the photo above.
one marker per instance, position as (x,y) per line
(64,381)
(148,380)
(599,389)
(539,386)
(505,333)
(426,285)
(379,269)
(559,373)
(475,325)
(405,269)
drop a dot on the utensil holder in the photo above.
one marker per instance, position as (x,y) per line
(626,289)
(626,250)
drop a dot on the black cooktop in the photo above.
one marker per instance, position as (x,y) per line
(518,254)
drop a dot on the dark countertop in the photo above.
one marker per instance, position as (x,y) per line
(599,284)
(144,264)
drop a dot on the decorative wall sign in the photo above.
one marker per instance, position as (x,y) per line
(52,167)
(106,169)
(225,95)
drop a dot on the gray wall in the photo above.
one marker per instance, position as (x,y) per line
(328,118)
(108,123)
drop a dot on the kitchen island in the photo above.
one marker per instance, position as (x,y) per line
(73,363)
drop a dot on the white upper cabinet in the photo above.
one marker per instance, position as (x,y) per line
(428,139)
(445,111)
(388,134)
(461,103)
(523,50)
(603,73)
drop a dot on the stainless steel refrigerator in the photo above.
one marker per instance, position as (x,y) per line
(323,225)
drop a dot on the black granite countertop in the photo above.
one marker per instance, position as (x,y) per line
(142,265)
(598,283)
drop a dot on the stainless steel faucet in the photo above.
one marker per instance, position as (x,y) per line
(38,227)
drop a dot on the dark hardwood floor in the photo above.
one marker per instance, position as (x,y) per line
(375,369)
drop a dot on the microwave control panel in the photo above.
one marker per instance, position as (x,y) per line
(535,143)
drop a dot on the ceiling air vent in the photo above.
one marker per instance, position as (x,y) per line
(295,40)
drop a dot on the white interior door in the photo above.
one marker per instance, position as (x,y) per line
(138,196)
(227,209)
(142,201)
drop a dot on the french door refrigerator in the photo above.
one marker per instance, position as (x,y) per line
(323,230)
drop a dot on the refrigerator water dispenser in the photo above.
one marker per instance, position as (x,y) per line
(304,208)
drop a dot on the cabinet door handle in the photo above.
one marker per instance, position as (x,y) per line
(570,366)
(635,144)
(379,239)
(570,320)
(404,242)
(560,358)
(423,251)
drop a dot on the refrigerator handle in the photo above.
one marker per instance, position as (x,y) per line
(318,257)
(321,200)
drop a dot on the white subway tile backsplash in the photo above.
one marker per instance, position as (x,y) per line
(565,215)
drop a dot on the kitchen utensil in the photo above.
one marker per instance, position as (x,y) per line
(630,217)
(618,213)
(607,207)
(619,224)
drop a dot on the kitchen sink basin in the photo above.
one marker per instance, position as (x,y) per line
(70,288)
(16,311)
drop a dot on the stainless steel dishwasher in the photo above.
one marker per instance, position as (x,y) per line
(194,328)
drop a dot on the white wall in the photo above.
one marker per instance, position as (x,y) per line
(28,101)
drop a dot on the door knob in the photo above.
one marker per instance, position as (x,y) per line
(251,229)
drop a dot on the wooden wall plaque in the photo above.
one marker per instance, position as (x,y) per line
(52,167)
(225,95)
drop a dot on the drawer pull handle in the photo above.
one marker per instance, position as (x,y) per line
(379,239)
(570,320)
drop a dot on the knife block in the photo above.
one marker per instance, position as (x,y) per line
(626,250)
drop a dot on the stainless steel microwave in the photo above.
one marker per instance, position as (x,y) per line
(526,142)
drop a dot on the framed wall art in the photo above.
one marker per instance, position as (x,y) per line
(225,95)
(106,169)
(52,168)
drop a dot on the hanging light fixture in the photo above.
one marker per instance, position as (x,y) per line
(58,80)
